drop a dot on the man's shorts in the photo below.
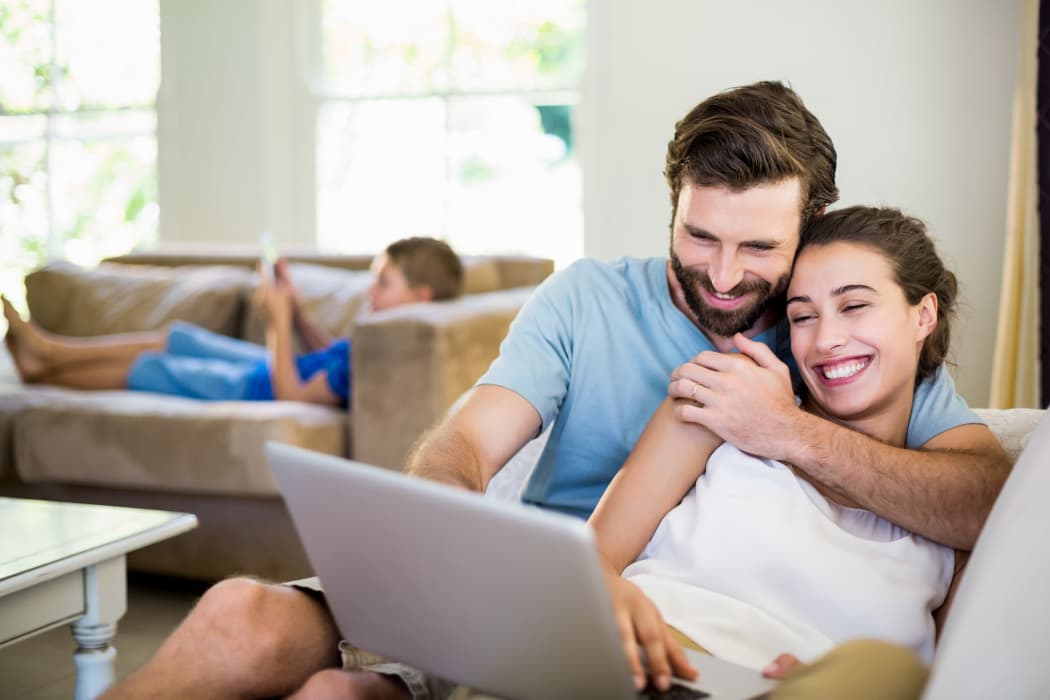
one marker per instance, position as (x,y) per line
(420,685)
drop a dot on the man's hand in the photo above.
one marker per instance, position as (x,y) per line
(640,624)
(745,398)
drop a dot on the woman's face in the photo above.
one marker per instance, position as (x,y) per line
(855,337)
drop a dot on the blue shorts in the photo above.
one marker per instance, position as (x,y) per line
(199,364)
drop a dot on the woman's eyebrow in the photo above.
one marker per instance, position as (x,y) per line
(837,292)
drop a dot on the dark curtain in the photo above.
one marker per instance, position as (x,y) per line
(1043,176)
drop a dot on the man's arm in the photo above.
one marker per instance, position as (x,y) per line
(471,445)
(943,491)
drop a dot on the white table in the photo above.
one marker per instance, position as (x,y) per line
(63,563)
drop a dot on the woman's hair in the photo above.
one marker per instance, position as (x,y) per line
(428,262)
(912,255)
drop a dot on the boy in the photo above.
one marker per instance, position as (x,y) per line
(189,361)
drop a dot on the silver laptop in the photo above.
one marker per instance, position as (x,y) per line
(505,598)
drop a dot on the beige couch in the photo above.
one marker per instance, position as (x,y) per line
(130,448)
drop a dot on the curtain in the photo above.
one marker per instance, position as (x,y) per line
(1016,372)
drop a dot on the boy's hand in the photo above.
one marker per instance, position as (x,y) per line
(274,301)
(640,624)
(283,280)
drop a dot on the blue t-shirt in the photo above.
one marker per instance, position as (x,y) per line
(593,349)
(334,360)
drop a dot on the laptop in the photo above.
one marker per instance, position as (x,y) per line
(504,598)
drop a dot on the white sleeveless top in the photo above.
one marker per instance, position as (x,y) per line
(755,562)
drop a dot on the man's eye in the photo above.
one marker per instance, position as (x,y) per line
(759,247)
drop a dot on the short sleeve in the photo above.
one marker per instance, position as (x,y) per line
(337,369)
(535,359)
(937,407)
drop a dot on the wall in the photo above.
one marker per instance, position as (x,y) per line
(235,122)
(916,95)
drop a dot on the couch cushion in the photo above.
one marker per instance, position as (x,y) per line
(1013,426)
(139,440)
(114,298)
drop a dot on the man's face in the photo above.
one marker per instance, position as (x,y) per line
(731,252)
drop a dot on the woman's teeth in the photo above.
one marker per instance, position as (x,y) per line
(845,369)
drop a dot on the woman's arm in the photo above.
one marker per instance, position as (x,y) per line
(667,460)
(665,463)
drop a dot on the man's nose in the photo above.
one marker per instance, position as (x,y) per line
(726,272)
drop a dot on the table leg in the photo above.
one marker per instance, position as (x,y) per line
(105,586)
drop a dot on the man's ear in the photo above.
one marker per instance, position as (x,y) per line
(927,316)
(423,292)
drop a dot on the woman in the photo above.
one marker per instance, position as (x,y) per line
(756,559)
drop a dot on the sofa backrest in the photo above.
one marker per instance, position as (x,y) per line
(144,291)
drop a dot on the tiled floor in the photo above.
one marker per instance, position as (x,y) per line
(41,668)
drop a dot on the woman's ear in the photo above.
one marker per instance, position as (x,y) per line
(927,308)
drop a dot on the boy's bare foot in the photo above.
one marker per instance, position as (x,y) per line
(25,345)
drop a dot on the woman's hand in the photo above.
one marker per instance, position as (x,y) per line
(640,624)
(782,666)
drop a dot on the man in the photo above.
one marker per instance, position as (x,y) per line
(592,353)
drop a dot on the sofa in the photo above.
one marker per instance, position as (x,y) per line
(139,449)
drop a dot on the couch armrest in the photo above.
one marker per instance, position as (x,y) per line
(410,363)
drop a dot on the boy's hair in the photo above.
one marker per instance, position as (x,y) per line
(428,262)
(912,255)
(753,135)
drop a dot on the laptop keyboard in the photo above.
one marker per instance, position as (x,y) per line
(675,692)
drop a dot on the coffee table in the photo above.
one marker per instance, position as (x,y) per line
(63,563)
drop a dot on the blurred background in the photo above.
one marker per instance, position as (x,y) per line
(530,128)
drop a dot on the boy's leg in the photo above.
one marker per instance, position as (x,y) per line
(188,340)
(38,353)
(244,638)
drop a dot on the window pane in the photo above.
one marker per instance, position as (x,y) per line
(521,46)
(25,55)
(104,197)
(515,180)
(381,172)
(23,213)
(385,48)
(111,51)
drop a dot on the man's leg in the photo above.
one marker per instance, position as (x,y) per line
(243,639)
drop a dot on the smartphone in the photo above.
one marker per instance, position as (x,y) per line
(268,253)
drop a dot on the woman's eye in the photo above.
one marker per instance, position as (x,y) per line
(801,318)
(853,307)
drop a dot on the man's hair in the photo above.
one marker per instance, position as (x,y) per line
(753,135)
(428,262)
(912,256)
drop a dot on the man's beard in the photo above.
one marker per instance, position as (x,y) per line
(727,323)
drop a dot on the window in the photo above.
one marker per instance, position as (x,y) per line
(450,118)
(78,145)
